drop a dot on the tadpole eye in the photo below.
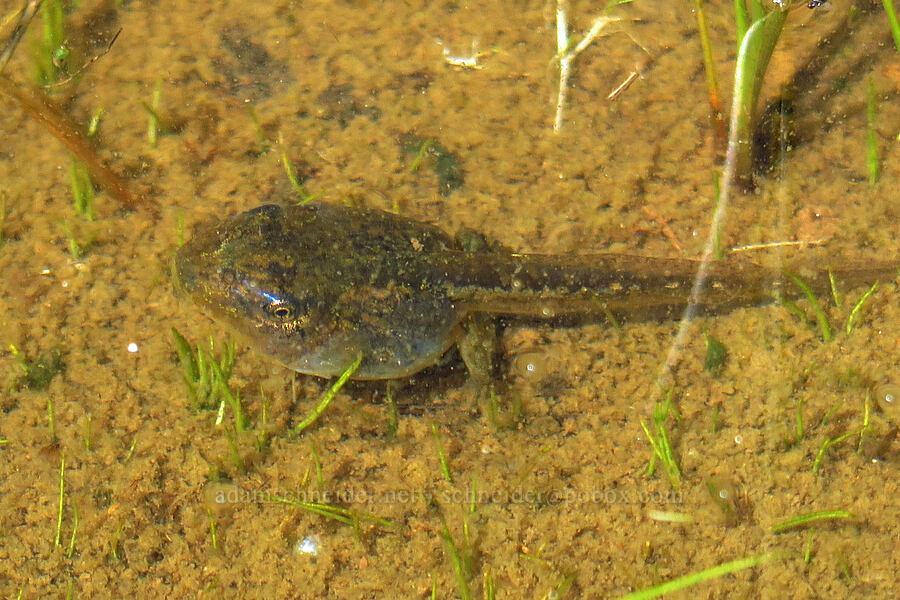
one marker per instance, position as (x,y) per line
(280,310)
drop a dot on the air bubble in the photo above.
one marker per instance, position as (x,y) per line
(530,365)
(888,397)
(308,545)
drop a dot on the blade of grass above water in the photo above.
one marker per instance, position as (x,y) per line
(752,61)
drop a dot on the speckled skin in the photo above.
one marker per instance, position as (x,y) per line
(316,286)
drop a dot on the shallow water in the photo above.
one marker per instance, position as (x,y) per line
(340,87)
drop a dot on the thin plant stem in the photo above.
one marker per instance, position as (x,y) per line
(41,109)
(892,20)
(715,101)
(328,397)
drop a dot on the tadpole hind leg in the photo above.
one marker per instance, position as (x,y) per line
(479,349)
(480,346)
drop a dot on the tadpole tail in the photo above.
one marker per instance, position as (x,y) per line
(637,288)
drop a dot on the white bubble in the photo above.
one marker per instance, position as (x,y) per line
(531,364)
(308,545)
(888,397)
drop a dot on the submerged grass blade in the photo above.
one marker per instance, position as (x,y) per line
(76,250)
(25,15)
(832,283)
(304,197)
(263,144)
(487,585)
(233,400)
(717,223)
(74,537)
(82,189)
(445,468)
(186,355)
(828,443)
(857,308)
(205,377)
(805,519)
(658,439)
(821,317)
(892,20)
(337,513)
(669,516)
(687,581)
(213,534)
(328,397)
(799,428)
(62,499)
(459,563)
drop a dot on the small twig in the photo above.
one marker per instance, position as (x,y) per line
(25,15)
(84,67)
(638,71)
(764,246)
(565,62)
(42,110)
(667,231)
(464,62)
(566,54)
(626,83)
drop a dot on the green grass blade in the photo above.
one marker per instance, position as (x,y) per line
(829,443)
(854,313)
(758,9)
(460,569)
(752,62)
(821,317)
(328,397)
(658,438)
(801,520)
(741,21)
(233,400)
(62,499)
(337,513)
(72,538)
(892,20)
(185,355)
(445,467)
(692,579)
